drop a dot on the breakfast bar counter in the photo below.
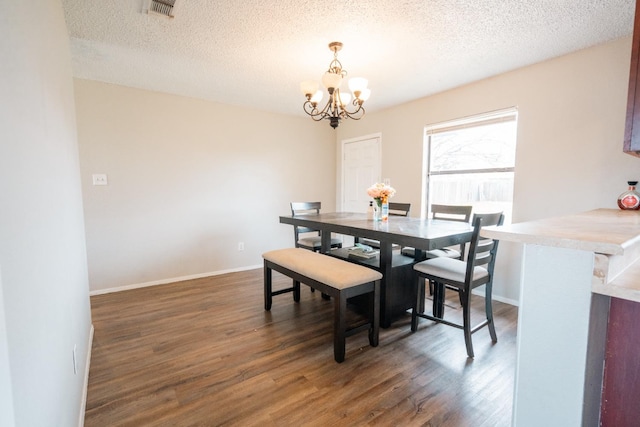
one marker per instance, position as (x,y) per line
(613,235)
(576,271)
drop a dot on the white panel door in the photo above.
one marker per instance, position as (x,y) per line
(360,169)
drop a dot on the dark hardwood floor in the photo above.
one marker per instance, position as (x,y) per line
(205,353)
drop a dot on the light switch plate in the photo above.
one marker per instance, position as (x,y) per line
(99,179)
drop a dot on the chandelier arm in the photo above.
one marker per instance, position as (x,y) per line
(309,108)
(356,114)
(335,67)
(352,116)
(316,114)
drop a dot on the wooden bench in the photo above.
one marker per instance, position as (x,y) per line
(334,277)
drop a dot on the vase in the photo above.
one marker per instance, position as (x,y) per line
(377,210)
(630,199)
(385,209)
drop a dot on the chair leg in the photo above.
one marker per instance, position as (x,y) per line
(267,288)
(421,303)
(417,302)
(488,305)
(466,317)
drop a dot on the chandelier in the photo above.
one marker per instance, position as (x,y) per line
(340,105)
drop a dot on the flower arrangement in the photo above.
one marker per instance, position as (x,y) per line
(380,192)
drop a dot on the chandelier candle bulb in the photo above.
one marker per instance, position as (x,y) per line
(331,80)
(309,87)
(364,96)
(357,85)
(317,97)
(345,98)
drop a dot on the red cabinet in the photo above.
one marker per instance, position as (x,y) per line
(621,388)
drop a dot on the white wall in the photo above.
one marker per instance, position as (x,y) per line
(188,180)
(570,130)
(6,392)
(45,303)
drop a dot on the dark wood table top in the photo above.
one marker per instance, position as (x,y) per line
(425,234)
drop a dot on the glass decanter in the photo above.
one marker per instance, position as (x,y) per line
(630,199)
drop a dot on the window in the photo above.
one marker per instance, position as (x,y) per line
(471,161)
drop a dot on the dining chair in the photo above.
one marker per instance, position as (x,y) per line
(464,276)
(460,213)
(305,237)
(395,209)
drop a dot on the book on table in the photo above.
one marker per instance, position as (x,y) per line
(362,252)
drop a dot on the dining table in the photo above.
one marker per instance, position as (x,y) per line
(397,290)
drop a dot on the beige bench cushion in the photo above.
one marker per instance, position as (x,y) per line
(322,268)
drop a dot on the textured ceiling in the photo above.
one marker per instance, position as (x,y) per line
(255,53)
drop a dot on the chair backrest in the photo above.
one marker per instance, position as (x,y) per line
(399,209)
(304,208)
(460,213)
(482,252)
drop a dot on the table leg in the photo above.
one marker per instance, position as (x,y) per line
(386,257)
(325,241)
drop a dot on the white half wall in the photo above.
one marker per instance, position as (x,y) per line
(45,309)
(6,392)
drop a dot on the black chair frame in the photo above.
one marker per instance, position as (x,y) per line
(482,252)
(307,208)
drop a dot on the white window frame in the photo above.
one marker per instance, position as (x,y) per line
(498,116)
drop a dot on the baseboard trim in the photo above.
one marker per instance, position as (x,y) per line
(85,388)
(234,270)
(506,300)
(171,280)
(495,297)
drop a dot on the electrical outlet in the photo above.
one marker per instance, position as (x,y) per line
(241,246)
(99,179)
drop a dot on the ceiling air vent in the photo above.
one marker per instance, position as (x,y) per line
(162,7)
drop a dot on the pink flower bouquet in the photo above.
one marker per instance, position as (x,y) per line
(379,191)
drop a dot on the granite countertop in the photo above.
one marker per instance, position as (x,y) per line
(606,231)
(612,234)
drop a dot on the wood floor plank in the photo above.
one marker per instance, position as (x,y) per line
(205,353)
